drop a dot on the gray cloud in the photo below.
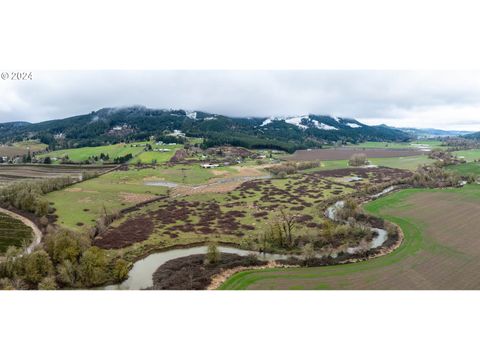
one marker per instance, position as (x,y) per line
(442,99)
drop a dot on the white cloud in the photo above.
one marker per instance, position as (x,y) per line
(452,117)
(443,99)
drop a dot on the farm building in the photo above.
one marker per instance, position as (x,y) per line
(209,166)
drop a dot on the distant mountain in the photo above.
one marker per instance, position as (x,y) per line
(138,123)
(428,133)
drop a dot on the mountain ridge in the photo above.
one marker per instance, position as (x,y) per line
(287,133)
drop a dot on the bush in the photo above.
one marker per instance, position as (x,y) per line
(37,266)
(120,270)
(64,245)
(308,252)
(67,273)
(48,283)
(213,255)
(358,160)
(93,267)
(434,176)
(291,167)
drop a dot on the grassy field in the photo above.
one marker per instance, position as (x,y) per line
(136,149)
(13,232)
(470,168)
(82,154)
(468,155)
(401,145)
(405,163)
(440,250)
(78,206)
(21,148)
(32,145)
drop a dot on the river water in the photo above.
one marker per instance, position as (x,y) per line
(140,276)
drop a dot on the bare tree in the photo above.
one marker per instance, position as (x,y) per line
(288,224)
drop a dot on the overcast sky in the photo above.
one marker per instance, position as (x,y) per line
(446,100)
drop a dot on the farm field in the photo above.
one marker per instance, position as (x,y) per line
(346,153)
(32,145)
(238,216)
(440,250)
(468,155)
(80,205)
(470,168)
(13,232)
(14,173)
(400,145)
(21,148)
(407,163)
(83,154)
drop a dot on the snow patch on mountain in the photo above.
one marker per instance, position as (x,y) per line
(297,121)
(191,114)
(352,125)
(323,126)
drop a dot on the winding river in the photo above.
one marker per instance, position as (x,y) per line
(140,276)
(378,239)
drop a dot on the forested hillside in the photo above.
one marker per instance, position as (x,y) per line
(111,125)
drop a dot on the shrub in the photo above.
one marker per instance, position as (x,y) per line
(67,273)
(93,267)
(358,160)
(291,167)
(48,283)
(213,255)
(308,252)
(120,270)
(37,266)
(64,245)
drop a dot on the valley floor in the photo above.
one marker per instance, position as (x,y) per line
(441,249)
